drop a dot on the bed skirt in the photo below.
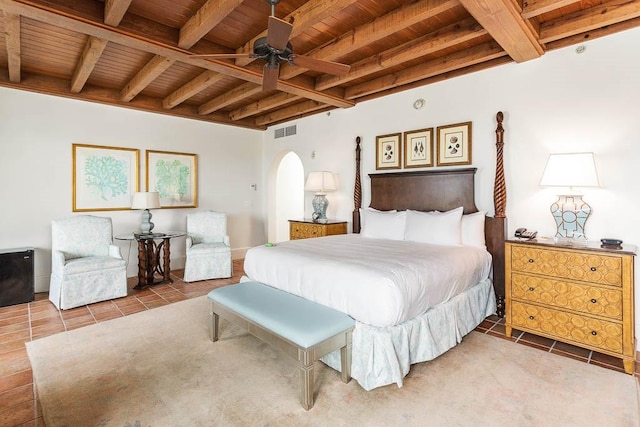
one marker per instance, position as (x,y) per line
(383,356)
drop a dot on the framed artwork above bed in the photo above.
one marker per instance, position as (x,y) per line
(418,148)
(454,144)
(389,151)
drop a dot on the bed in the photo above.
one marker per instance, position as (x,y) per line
(408,306)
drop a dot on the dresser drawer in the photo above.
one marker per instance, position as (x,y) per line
(305,231)
(576,265)
(568,327)
(596,300)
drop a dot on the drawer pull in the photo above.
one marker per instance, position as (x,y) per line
(593,269)
(531,260)
(593,300)
(531,289)
(594,333)
(531,317)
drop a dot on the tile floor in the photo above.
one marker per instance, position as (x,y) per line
(25,322)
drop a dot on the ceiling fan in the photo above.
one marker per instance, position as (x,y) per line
(275,49)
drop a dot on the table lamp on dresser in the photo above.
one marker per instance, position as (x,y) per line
(321,182)
(570,211)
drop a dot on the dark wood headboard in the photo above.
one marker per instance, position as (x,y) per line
(442,190)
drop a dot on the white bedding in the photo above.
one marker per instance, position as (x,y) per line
(377,282)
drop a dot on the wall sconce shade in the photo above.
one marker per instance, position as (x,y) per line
(146,201)
(570,170)
(321,182)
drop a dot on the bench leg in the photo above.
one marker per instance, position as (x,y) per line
(307,380)
(345,359)
(213,325)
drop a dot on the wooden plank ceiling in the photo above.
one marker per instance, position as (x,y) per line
(138,53)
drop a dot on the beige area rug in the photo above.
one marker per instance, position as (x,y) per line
(158,368)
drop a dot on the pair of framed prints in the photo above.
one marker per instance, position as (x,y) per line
(453,147)
(105,178)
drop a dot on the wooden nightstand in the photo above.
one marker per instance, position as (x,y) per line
(580,294)
(306,228)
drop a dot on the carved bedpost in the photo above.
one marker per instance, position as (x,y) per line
(357,191)
(499,188)
(499,222)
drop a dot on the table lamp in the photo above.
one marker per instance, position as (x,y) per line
(320,182)
(146,201)
(570,211)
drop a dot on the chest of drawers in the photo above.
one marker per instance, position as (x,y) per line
(578,295)
(305,229)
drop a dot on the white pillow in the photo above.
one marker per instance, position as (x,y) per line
(436,228)
(473,229)
(382,224)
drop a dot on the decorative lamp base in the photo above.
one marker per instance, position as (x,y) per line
(570,213)
(147,225)
(320,204)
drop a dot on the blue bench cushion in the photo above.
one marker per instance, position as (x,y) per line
(296,319)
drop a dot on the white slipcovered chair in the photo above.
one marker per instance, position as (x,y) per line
(85,266)
(208,248)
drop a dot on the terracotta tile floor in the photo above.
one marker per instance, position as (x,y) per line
(25,322)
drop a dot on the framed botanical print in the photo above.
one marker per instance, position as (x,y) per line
(104,178)
(454,144)
(174,176)
(388,151)
(418,148)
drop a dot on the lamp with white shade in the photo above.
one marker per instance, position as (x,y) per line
(321,182)
(146,201)
(570,211)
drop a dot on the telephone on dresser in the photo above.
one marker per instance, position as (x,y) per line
(524,234)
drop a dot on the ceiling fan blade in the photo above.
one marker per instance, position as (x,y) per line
(320,65)
(222,55)
(278,33)
(270,77)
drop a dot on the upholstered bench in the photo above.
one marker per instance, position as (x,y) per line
(300,328)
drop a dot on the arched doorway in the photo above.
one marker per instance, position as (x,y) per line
(286,187)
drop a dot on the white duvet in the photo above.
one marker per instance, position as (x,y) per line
(377,282)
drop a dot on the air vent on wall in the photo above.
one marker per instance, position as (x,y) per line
(287,131)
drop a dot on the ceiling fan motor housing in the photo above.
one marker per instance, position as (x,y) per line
(263,51)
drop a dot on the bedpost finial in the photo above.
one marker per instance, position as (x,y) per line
(499,117)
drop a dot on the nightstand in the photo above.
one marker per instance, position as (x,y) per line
(580,294)
(307,228)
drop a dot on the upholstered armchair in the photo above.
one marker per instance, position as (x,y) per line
(85,266)
(208,248)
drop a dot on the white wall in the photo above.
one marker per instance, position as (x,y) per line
(36,134)
(562,102)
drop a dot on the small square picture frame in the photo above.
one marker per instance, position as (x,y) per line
(454,144)
(418,148)
(389,151)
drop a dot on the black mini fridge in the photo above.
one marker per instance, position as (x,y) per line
(16,276)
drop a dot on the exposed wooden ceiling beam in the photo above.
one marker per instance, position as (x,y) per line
(599,16)
(461,59)
(194,86)
(114,11)
(234,95)
(289,112)
(262,105)
(533,8)
(207,17)
(12,41)
(442,39)
(503,20)
(92,52)
(307,15)
(145,76)
(123,36)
